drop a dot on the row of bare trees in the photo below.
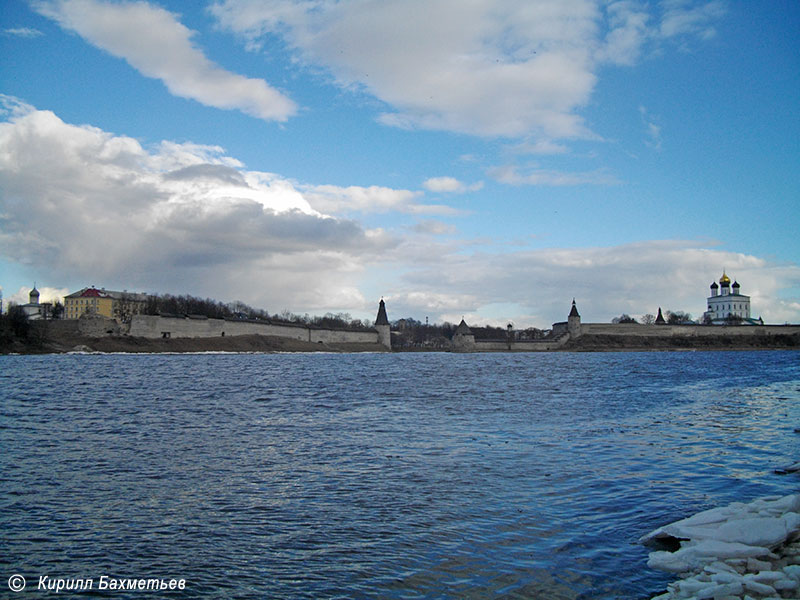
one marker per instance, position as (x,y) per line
(674,318)
(213,309)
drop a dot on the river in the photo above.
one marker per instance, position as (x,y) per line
(380,475)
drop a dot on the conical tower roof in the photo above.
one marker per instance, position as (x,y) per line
(574,311)
(660,318)
(382,319)
(463,328)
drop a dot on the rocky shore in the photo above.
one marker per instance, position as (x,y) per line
(736,552)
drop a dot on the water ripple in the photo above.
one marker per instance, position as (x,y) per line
(381,476)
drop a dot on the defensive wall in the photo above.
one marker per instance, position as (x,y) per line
(568,335)
(89,325)
(541,345)
(181,326)
(630,331)
(634,329)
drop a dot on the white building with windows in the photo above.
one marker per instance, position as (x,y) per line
(726,305)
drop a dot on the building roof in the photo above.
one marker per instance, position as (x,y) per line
(660,318)
(382,319)
(736,284)
(574,311)
(131,296)
(724,280)
(714,285)
(90,292)
(93,292)
(463,328)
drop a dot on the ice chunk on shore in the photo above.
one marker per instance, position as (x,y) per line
(697,555)
(719,546)
(738,522)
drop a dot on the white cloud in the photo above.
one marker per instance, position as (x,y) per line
(433,304)
(652,130)
(80,203)
(689,18)
(450,185)
(497,70)
(541,146)
(46,294)
(374,199)
(517,68)
(332,199)
(433,227)
(156,44)
(24,32)
(510,175)
(628,31)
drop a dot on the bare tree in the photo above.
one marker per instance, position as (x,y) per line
(124,308)
(623,318)
(679,318)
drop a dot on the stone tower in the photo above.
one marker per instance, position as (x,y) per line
(463,338)
(383,327)
(574,321)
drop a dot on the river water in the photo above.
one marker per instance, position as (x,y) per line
(380,475)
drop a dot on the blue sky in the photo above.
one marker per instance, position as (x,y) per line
(490,160)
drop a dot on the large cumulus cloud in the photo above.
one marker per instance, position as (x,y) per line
(85,203)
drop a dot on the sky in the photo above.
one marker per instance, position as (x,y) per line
(484,159)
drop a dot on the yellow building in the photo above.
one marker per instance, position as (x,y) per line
(114,305)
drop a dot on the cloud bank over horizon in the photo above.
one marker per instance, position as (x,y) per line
(87,206)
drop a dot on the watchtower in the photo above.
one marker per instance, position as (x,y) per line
(382,326)
(574,321)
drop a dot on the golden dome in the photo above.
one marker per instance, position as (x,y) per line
(724,278)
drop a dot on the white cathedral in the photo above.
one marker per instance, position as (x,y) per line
(726,304)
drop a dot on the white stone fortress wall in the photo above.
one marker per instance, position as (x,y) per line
(564,332)
(612,329)
(153,326)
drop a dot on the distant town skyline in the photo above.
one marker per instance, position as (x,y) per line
(488,161)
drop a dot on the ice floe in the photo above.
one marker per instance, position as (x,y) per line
(792,468)
(736,551)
